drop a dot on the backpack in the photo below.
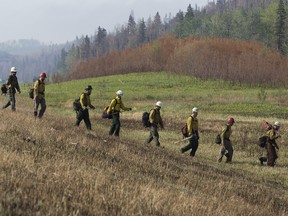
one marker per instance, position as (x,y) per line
(262,141)
(4,89)
(77,105)
(105,114)
(31,93)
(145,119)
(184,130)
(218,139)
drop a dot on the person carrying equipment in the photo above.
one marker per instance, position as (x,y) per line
(226,144)
(83,113)
(39,95)
(272,134)
(192,126)
(155,119)
(115,107)
(13,86)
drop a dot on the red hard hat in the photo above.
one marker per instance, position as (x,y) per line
(230,120)
(43,75)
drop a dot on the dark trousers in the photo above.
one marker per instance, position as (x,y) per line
(11,101)
(226,150)
(83,115)
(115,127)
(153,135)
(193,145)
(42,102)
(271,154)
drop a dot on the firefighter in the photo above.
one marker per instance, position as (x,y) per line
(272,134)
(83,113)
(39,95)
(116,105)
(155,119)
(192,126)
(13,86)
(226,144)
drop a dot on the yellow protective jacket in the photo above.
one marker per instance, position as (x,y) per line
(85,101)
(116,105)
(155,117)
(192,125)
(39,89)
(272,135)
(226,132)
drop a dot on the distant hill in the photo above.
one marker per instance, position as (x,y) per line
(30,56)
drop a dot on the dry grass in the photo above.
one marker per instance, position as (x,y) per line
(49,167)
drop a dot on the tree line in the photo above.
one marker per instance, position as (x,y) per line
(250,20)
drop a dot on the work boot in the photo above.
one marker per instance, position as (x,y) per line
(262,160)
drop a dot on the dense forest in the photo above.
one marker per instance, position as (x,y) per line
(263,21)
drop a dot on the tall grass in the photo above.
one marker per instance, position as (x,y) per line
(51,167)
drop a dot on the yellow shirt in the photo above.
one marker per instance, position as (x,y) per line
(116,105)
(192,125)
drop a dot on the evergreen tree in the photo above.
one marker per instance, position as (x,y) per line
(179,29)
(132,29)
(281,28)
(141,35)
(85,48)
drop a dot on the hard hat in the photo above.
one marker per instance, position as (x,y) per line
(230,120)
(277,124)
(119,93)
(43,75)
(159,104)
(89,87)
(13,70)
(195,109)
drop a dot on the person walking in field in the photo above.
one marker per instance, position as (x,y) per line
(39,95)
(13,86)
(226,144)
(263,143)
(116,105)
(273,134)
(83,113)
(155,119)
(192,126)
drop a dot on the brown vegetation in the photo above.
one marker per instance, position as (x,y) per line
(49,167)
(231,60)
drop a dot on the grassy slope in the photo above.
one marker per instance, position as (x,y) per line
(50,167)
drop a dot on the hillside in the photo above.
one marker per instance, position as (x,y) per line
(50,167)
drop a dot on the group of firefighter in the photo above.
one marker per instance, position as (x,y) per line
(155,119)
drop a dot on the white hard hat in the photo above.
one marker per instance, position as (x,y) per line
(195,109)
(159,104)
(13,69)
(277,124)
(119,93)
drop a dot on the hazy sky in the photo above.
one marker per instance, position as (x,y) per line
(58,21)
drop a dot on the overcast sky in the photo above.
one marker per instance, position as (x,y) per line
(58,21)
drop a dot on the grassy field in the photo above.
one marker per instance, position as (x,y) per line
(51,167)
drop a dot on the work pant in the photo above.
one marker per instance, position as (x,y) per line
(11,101)
(42,102)
(153,135)
(83,115)
(271,154)
(226,150)
(115,127)
(193,145)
